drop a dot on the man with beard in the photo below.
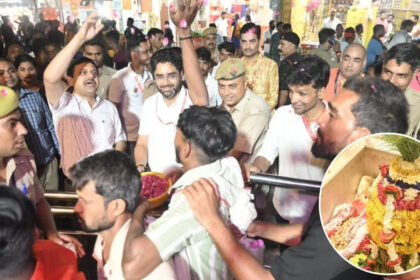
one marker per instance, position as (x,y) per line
(401,65)
(290,136)
(351,66)
(85,123)
(288,45)
(95,50)
(361,108)
(108,187)
(160,112)
(261,72)
(41,138)
(130,87)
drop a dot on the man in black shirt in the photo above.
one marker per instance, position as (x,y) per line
(289,42)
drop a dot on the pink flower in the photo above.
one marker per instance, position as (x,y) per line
(4,92)
(165,41)
(133,31)
(183,23)
(172,7)
(252,31)
(205,2)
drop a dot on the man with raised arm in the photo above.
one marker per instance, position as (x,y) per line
(160,112)
(85,123)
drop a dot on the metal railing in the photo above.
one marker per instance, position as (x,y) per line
(285,182)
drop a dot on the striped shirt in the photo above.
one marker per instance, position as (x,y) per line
(178,232)
(36,117)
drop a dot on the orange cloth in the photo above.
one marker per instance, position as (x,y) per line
(329,91)
(54,262)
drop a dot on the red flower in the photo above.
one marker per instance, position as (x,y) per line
(386,237)
(392,263)
(384,169)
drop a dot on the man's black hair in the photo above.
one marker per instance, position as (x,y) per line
(97,41)
(279,23)
(203,54)
(56,37)
(133,42)
(172,55)
(153,31)
(211,130)
(114,174)
(405,52)
(406,23)
(17,225)
(113,35)
(212,25)
(324,34)
(130,21)
(24,58)
(311,69)
(228,46)
(382,107)
(416,17)
(251,26)
(377,28)
(78,61)
(287,27)
(38,45)
(359,27)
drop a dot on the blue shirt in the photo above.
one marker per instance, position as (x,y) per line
(36,117)
(374,50)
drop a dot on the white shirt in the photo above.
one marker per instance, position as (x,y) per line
(328,23)
(222,26)
(213,90)
(267,36)
(112,270)
(101,121)
(126,89)
(214,70)
(159,124)
(289,139)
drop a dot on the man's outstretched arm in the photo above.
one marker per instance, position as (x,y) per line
(54,86)
(182,17)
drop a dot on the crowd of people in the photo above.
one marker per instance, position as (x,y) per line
(88,110)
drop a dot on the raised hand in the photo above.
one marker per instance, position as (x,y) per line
(184,15)
(91,27)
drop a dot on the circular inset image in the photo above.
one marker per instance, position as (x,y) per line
(370,203)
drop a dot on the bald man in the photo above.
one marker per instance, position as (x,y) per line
(351,65)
